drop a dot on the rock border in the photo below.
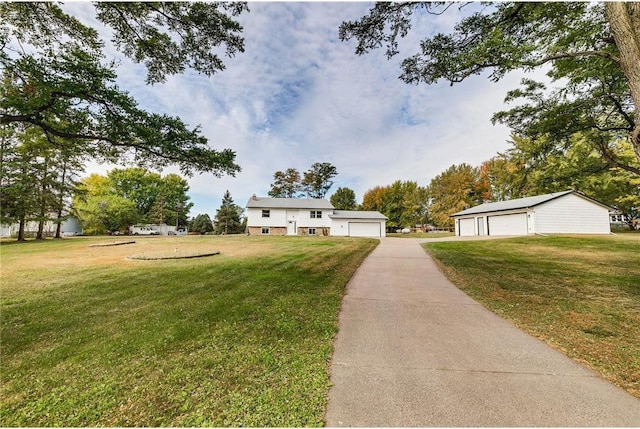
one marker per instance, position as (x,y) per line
(170,256)
(115,243)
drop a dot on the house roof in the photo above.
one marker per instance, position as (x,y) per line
(288,203)
(522,203)
(351,214)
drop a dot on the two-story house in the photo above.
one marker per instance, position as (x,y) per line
(308,216)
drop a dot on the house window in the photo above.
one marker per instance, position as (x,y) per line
(618,218)
(265,230)
(266,213)
(312,231)
(316,214)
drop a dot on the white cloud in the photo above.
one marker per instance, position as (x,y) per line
(298,95)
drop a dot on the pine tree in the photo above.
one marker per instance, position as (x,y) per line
(227,220)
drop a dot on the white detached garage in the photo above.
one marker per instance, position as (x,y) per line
(358,223)
(568,212)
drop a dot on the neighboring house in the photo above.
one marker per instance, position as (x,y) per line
(300,216)
(568,212)
(616,217)
(69,227)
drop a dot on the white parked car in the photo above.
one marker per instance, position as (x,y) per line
(144,230)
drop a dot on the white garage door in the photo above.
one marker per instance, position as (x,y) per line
(513,224)
(466,227)
(365,229)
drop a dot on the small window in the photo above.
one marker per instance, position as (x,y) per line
(266,213)
(312,231)
(316,214)
(265,231)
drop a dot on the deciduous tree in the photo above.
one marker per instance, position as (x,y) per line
(155,198)
(452,191)
(319,179)
(344,199)
(403,203)
(286,184)
(592,50)
(56,78)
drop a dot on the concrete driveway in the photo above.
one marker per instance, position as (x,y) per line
(413,350)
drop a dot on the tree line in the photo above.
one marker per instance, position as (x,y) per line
(60,106)
(528,167)
(125,197)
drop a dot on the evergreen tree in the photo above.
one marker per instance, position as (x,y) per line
(227,218)
(202,224)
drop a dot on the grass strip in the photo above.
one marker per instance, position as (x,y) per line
(243,339)
(579,294)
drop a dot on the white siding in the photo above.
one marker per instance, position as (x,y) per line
(365,229)
(571,214)
(277,217)
(280,217)
(340,227)
(467,227)
(509,224)
(306,221)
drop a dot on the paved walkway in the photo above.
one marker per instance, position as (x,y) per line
(413,350)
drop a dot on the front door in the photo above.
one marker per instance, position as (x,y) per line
(480,226)
(291,228)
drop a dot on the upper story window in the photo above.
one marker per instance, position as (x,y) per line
(266,213)
(316,214)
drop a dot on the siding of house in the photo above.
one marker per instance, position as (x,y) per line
(279,217)
(571,214)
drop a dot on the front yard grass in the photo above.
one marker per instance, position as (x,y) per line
(89,338)
(579,294)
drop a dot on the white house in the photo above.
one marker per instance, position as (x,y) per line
(306,216)
(69,227)
(568,212)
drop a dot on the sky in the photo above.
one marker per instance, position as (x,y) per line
(298,95)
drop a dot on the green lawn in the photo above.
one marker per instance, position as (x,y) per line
(244,338)
(421,234)
(579,294)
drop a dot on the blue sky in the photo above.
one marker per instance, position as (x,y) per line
(298,95)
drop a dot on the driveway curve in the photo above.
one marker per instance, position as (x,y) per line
(413,350)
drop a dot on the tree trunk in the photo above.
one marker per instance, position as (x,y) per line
(624,19)
(61,201)
(21,229)
(43,201)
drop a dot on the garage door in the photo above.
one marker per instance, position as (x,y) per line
(365,229)
(513,224)
(466,227)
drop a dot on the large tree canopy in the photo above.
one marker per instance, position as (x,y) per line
(592,51)
(56,77)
